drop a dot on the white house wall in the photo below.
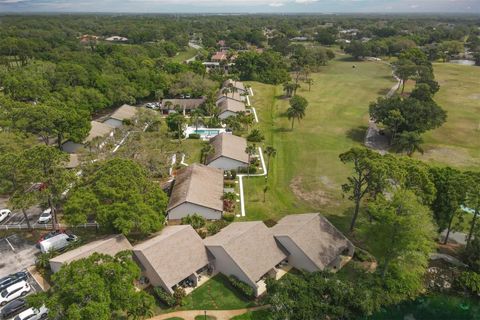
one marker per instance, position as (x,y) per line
(296,257)
(226,163)
(224,263)
(187,208)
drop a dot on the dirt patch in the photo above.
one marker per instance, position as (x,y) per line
(475,96)
(452,156)
(320,195)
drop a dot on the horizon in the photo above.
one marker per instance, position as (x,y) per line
(471,7)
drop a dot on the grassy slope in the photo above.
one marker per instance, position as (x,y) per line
(184,55)
(457,142)
(308,156)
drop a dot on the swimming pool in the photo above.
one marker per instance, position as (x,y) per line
(207,132)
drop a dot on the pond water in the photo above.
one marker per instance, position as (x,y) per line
(433,307)
(463,62)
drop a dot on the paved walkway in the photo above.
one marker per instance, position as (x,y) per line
(219,314)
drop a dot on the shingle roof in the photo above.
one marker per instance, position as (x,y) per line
(198,184)
(231,95)
(230,146)
(98,129)
(320,241)
(220,55)
(124,112)
(73,161)
(251,245)
(237,84)
(174,254)
(184,103)
(110,245)
(229,104)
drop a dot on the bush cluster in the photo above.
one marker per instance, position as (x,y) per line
(242,287)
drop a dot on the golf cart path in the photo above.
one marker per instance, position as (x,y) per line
(218,314)
(373,139)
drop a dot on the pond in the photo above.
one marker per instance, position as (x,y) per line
(432,307)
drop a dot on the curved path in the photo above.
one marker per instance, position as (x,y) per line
(218,314)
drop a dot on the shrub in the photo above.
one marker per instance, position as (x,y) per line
(269,222)
(470,282)
(229,217)
(363,256)
(244,288)
(195,220)
(228,205)
(233,174)
(230,196)
(229,184)
(179,294)
(255,136)
(216,226)
(194,136)
(202,233)
(165,297)
(253,169)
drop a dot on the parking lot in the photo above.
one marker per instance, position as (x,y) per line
(17,254)
(17,217)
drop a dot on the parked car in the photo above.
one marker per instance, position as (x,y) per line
(46,216)
(14,291)
(49,235)
(153,105)
(58,242)
(33,314)
(4,214)
(13,308)
(13,278)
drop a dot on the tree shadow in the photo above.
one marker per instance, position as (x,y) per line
(347,58)
(282,129)
(342,221)
(383,92)
(357,134)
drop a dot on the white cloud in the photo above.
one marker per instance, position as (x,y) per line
(305,1)
(276,4)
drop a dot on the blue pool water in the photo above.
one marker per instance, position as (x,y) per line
(207,132)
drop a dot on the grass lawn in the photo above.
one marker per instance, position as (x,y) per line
(457,142)
(216,294)
(202,317)
(306,175)
(192,149)
(253,315)
(184,55)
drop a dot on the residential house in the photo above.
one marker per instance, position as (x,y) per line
(98,129)
(229,107)
(312,242)
(124,113)
(228,152)
(197,189)
(220,56)
(237,96)
(116,39)
(175,255)
(238,85)
(248,251)
(109,246)
(186,106)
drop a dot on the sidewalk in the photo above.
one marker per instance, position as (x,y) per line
(218,314)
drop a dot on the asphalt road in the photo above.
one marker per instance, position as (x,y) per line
(17,254)
(17,217)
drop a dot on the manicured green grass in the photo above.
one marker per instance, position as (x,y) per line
(457,142)
(306,175)
(192,149)
(184,55)
(202,317)
(175,318)
(216,294)
(254,315)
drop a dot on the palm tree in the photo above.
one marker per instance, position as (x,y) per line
(225,91)
(195,116)
(409,142)
(206,151)
(271,152)
(293,113)
(168,105)
(250,150)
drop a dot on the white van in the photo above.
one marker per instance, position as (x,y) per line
(33,314)
(16,290)
(57,242)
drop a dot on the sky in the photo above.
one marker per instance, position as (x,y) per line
(241,6)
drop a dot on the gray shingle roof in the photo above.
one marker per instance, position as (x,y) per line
(110,245)
(320,241)
(237,84)
(187,104)
(230,146)
(124,112)
(234,96)
(98,129)
(232,105)
(198,184)
(174,254)
(251,245)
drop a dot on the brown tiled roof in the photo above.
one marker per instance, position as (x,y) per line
(320,241)
(229,104)
(229,146)
(220,55)
(198,184)
(98,129)
(251,245)
(110,245)
(174,254)
(186,104)
(124,112)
